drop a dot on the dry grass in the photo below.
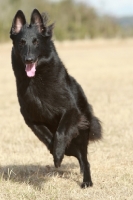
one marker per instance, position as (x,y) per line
(105,70)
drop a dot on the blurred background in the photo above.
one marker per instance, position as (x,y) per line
(75,19)
(94,41)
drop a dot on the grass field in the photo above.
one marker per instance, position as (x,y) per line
(105,71)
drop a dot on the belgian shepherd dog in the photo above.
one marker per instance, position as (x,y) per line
(51,102)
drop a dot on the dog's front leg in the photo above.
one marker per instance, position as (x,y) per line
(41,131)
(44,135)
(67,130)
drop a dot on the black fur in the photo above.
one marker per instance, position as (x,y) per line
(52,103)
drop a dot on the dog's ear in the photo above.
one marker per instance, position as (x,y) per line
(49,30)
(40,21)
(18,22)
(36,19)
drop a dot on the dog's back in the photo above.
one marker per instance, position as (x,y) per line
(52,103)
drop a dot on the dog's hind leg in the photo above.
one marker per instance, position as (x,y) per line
(67,130)
(73,150)
(87,182)
(79,151)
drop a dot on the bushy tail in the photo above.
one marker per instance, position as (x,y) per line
(95,132)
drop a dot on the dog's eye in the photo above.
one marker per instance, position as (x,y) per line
(22,42)
(35,41)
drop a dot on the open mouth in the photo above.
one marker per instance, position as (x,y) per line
(31,69)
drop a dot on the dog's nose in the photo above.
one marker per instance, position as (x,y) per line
(29,60)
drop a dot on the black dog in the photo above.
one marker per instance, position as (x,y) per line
(52,103)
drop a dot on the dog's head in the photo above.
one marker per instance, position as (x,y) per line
(31,41)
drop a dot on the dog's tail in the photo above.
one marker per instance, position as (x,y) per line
(95,129)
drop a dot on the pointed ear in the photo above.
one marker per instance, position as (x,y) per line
(36,19)
(48,31)
(18,22)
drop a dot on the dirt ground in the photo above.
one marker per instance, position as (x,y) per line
(105,71)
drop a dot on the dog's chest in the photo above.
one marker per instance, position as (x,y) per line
(38,106)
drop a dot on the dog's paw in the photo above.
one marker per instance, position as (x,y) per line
(57,163)
(58,157)
(86,184)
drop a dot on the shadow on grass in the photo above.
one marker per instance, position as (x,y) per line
(36,175)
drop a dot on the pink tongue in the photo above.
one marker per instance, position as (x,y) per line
(30,69)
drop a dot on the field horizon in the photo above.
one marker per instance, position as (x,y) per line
(104,69)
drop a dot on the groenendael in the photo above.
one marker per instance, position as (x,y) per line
(52,103)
